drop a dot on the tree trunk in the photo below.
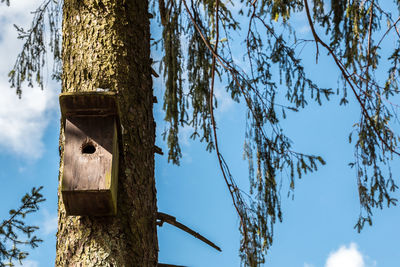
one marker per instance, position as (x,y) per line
(106,44)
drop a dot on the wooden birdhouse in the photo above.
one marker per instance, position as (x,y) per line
(90,170)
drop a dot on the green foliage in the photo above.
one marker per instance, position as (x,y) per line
(354,40)
(267,149)
(11,244)
(273,66)
(174,102)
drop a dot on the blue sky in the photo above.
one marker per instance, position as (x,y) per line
(317,230)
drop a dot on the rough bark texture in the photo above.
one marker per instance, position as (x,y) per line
(106,44)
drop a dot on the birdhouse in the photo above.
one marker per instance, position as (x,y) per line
(90,170)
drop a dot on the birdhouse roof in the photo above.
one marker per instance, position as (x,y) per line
(88,104)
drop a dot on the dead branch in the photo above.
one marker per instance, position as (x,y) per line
(163,217)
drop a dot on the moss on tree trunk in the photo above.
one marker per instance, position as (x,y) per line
(106,44)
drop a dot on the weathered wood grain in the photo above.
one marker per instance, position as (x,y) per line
(88,186)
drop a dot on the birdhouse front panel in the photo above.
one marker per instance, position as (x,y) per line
(90,171)
(88,152)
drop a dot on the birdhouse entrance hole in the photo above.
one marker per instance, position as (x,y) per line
(88,148)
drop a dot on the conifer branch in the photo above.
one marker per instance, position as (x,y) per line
(11,228)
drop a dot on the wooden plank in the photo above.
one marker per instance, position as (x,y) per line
(88,103)
(88,203)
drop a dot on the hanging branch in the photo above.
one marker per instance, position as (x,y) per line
(259,233)
(347,77)
(233,190)
(30,61)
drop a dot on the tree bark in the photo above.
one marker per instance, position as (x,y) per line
(106,44)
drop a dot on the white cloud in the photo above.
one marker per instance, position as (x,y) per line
(346,257)
(22,121)
(308,265)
